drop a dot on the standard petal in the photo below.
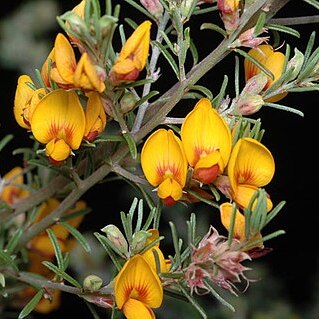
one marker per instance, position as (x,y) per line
(59,115)
(22,97)
(64,58)
(203,132)
(135,309)
(250,163)
(139,281)
(162,157)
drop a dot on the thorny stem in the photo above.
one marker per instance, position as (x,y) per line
(147,87)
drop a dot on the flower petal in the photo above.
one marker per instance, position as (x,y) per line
(203,132)
(59,115)
(250,163)
(162,156)
(139,281)
(135,309)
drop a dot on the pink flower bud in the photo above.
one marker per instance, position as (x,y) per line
(154,7)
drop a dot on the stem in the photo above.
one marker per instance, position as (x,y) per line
(147,87)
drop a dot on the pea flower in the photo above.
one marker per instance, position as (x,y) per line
(95,116)
(206,140)
(138,289)
(239,226)
(67,73)
(59,122)
(25,101)
(41,244)
(164,165)
(251,165)
(13,190)
(271,60)
(132,58)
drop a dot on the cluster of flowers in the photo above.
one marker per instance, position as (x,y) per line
(70,107)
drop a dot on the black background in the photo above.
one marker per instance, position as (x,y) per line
(291,138)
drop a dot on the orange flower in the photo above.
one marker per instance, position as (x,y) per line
(13,190)
(138,289)
(67,73)
(164,165)
(132,58)
(59,122)
(206,140)
(95,117)
(251,165)
(271,60)
(25,101)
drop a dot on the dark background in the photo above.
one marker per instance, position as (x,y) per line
(293,264)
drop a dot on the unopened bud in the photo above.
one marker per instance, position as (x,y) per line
(255,84)
(106,23)
(154,7)
(186,7)
(92,283)
(295,63)
(127,102)
(74,22)
(250,105)
(116,237)
(139,240)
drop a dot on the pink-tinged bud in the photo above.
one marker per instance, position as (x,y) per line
(229,10)
(154,7)
(116,237)
(249,40)
(217,260)
(250,105)
(255,84)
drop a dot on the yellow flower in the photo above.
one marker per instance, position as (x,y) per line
(25,101)
(148,255)
(41,244)
(67,73)
(12,192)
(164,165)
(271,60)
(251,165)
(206,140)
(59,122)
(133,56)
(95,117)
(239,226)
(138,289)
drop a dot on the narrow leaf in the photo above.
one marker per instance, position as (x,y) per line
(131,144)
(31,304)
(78,236)
(5,141)
(284,29)
(57,249)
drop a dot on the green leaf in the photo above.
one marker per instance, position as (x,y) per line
(214,27)
(202,89)
(313,3)
(78,236)
(168,57)
(14,240)
(6,260)
(2,280)
(62,274)
(146,97)
(57,249)
(284,29)
(31,304)
(140,8)
(131,144)
(259,26)
(285,108)
(5,141)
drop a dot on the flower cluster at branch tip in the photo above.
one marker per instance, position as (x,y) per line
(58,114)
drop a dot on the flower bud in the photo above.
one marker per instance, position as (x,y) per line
(139,240)
(250,105)
(295,63)
(154,7)
(127,102)
(106,23)
(255,84)
(186,7)
(92,283)
(116,237)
